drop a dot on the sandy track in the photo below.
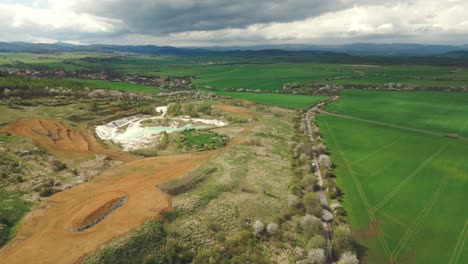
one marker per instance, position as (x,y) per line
(234,109)
(60,140)
(44,236)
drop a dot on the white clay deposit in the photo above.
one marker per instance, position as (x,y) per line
(131,133)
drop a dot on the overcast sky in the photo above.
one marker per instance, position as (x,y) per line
(234,22)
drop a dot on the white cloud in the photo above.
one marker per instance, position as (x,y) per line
(344,21)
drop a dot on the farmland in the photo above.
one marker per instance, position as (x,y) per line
(281,100)
(404,190)
(267,74)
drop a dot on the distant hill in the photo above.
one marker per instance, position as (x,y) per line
(357,48)
(64,47)
(361,49)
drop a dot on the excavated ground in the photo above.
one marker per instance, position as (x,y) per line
(60,140)
(45,236)
(234,109)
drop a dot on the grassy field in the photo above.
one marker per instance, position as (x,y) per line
(434,111)
(404,190)
(282,100)
(123,86)
(263,73)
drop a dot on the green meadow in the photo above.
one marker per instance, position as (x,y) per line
(440,112)
(123,86)
(404,191)
(282,100)
(267,74)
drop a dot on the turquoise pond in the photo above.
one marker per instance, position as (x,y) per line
(152,130)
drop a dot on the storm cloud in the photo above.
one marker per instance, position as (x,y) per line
(227,22)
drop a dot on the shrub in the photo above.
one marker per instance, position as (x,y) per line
(316,241)
(220,236)
(294,201)
(46,191)
(342,240)
(150,259)
(242,248)
(272,228)
(348,258)
(311,226)
(312,204)
(316,256)
(258,227)
(58,165)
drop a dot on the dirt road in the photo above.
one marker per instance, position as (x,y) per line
(45,235)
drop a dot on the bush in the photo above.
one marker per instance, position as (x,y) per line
(348,258)
(46,191)
(220,236)
(316,241)
(150,259)
(312,204)
(272,228)
(311,226)
(58,165)
(342,240)
(316,256)
(258,227)
(294,201)
(242,248)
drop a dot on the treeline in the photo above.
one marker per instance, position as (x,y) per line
(19,82)
(305,203)
(18,88)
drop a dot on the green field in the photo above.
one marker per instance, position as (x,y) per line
(257,72)
(123,86)
(404,190)
(440,112)
(282,100)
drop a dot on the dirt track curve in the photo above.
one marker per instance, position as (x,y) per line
(45,236)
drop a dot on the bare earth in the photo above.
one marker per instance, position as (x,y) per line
(45,236)
(62,141)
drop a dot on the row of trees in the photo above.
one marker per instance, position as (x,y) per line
(307,206)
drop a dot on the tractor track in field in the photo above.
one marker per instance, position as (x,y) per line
(420,220)
(460,244)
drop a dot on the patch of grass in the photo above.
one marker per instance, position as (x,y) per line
(12,209)
(201,140)
(187,182)
(123,86)
(149,240)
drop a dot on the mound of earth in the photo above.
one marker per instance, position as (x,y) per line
(60,140)
(95,211)
(55,136)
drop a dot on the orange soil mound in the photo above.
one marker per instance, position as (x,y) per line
(60,140)
(234,109)
(44,236)
(83,218)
